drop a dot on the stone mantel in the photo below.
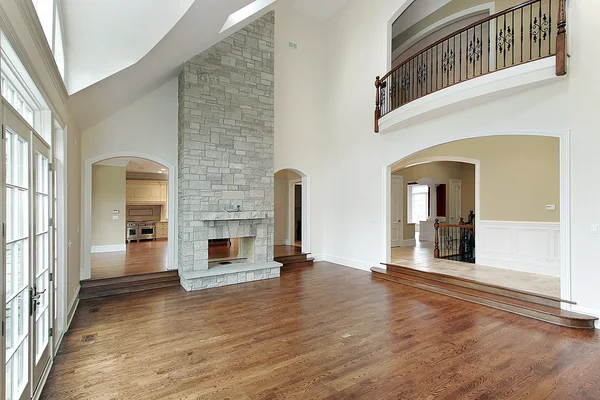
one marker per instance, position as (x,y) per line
(235,215)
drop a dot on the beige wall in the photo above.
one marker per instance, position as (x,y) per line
(108,194)
(441,172)
(519,175)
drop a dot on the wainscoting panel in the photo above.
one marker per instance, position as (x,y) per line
(522,246)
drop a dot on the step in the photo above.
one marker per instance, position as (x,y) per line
(554,315)
(93,288)
(130,278)
(291,258)
(309,262)
(112,291)
(484,287)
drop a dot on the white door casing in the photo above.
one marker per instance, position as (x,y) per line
(397,211)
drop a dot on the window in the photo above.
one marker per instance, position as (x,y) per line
(49,14)
(21,92)
(418,199)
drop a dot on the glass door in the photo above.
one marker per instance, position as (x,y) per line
(41,289)
(17,255)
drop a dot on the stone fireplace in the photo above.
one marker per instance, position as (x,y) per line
(226,158)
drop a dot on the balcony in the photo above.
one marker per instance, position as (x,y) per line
(520,47)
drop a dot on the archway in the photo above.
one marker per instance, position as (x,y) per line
(292,208)
(169,214)
(557,255)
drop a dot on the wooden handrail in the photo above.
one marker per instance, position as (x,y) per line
(457,32)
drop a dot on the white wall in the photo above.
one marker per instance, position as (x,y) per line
(357,40)
(148,126)
(300,86)
(352,190)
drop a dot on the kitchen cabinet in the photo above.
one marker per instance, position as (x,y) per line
(140,191)
(162,230)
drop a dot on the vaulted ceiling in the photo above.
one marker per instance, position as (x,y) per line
(119,51)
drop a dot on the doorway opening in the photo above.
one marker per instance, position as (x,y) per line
(493,211)
(291,212)
(129,217)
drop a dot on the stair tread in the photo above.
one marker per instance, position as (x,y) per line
(491,285)
(473,293)
(174,275)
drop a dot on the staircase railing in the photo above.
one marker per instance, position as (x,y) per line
(455,241)
(530,31)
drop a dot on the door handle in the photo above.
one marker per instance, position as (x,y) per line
(34,297)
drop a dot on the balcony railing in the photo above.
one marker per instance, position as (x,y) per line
(530,31)
(455,241)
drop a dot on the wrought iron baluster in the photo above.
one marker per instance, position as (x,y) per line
(522,34)
(530,32)
(550,27)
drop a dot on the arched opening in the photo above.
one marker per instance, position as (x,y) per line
(129,216)
(513,185)
(291,209)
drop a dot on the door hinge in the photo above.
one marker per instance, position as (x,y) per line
(50,333)
(51,276)
(50,222)
(50,167)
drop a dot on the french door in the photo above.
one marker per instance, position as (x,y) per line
(27,248)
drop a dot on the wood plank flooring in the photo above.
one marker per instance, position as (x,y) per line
(142,257)
(288,338)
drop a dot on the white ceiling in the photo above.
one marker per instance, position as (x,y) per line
(102,42)
(197,30)
(319,9)
(135,164)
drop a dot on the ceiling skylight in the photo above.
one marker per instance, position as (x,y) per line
(245,12)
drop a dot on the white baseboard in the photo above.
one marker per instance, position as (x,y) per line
(521,246)
(109,249)
(409,242)
(43,379)
(346,262)
(72,308)
(281,242)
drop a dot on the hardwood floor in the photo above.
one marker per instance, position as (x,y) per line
(421,257)
(288,338)
(140,258)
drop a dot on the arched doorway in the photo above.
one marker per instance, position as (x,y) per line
(292,224)
(513,231)
(129,220)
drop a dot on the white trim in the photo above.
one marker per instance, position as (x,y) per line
(451,19)
(305,211)
(40,387)
(565,216)
(472,92)
(86,217)
(72,308)
(525,246)
(109,248)
(409,242)
(345,262)
(291,212)
(281,242)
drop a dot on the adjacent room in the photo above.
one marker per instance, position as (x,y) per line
(130,217)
